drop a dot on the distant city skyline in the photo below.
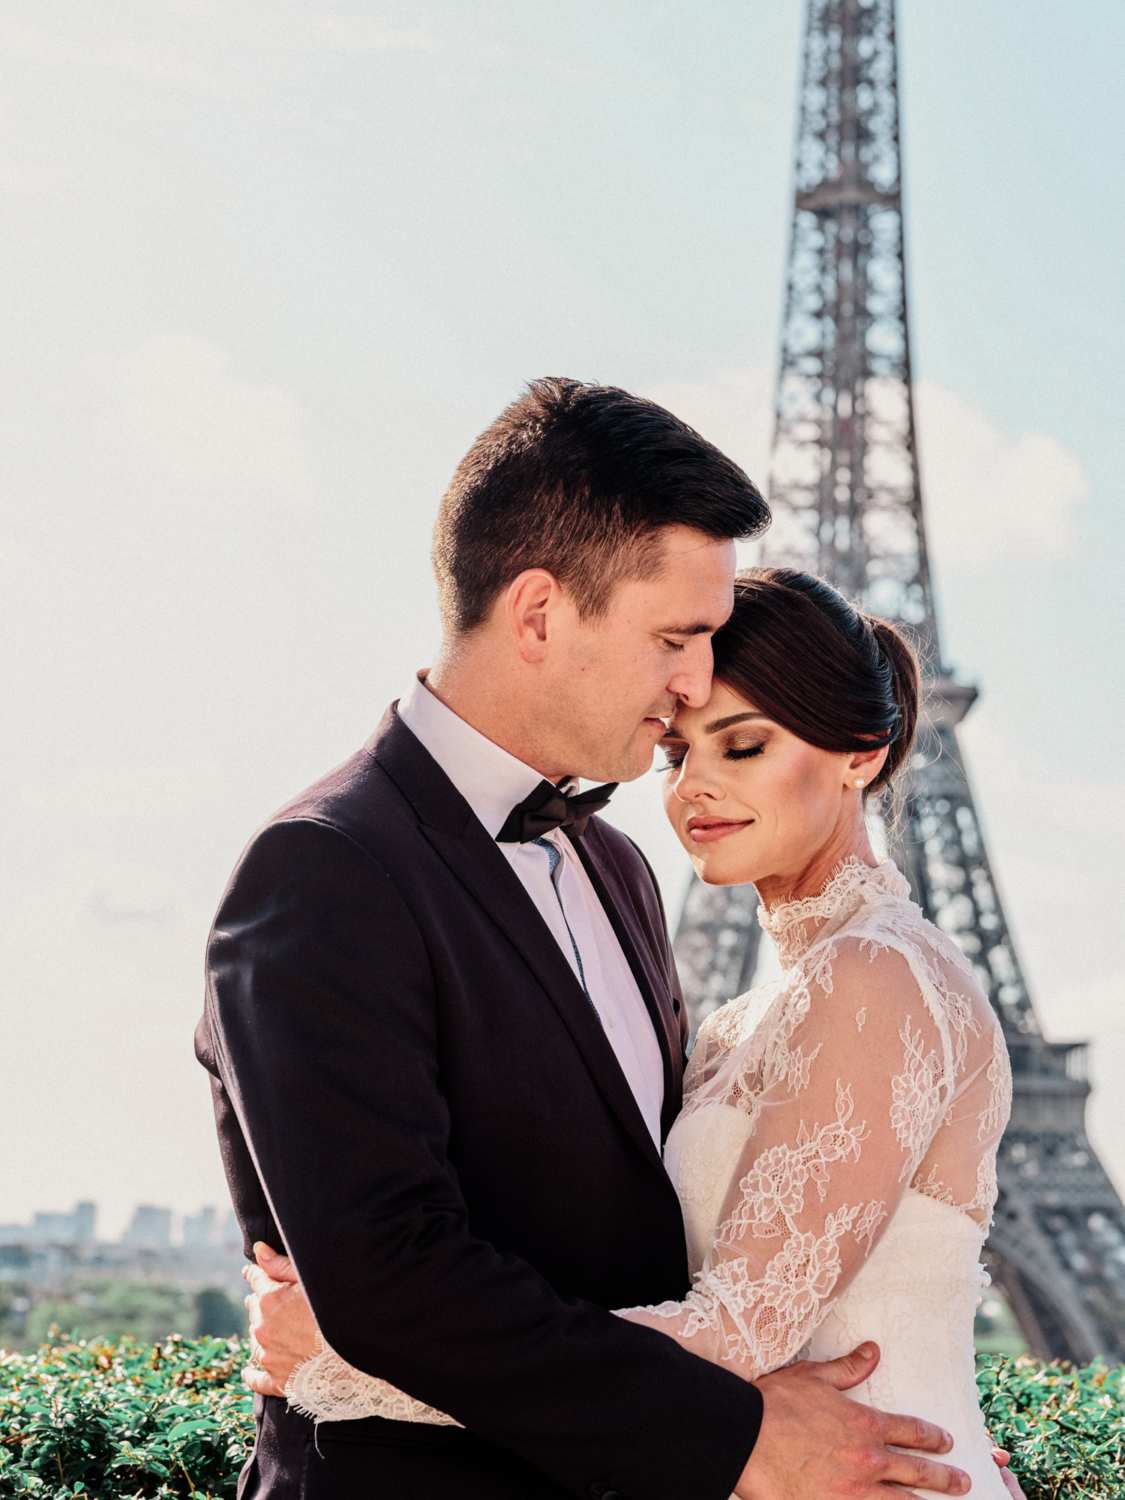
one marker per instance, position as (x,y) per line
(151,1226)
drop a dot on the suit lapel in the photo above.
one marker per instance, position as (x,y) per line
(460,840)
(652,981)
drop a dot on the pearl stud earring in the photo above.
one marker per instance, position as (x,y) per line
(860,784)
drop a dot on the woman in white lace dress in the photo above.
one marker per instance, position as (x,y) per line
(835,1156)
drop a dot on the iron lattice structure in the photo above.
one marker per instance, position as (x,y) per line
(847,504)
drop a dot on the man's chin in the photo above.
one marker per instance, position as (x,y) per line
(634,764)
(628,764)
(629,767)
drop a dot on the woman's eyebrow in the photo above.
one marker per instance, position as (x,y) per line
(717,724)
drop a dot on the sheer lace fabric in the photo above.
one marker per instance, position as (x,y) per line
(873,1066)
(858,1099)
(328,1388)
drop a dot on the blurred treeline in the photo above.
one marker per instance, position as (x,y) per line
(105,1310)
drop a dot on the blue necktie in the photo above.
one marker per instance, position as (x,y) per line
(555,860)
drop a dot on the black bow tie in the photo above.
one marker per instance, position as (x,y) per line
(546,808)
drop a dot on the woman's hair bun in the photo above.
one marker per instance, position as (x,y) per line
(906,684)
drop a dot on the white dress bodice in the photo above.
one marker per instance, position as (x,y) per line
(915,1295)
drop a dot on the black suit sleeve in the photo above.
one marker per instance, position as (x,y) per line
(322,1015)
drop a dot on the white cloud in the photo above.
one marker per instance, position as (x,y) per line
(204,427)
(990,498)
(140,790)
(1069,828)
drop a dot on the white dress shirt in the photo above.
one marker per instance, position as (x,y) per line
(492,782)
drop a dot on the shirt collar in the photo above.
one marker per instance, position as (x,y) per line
(490,780)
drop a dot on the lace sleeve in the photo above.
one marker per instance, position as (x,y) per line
(841,1116)
(328,1389)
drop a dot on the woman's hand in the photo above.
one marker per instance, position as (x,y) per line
(283,1331)
(1011,1483)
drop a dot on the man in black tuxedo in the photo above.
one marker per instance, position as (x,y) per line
(446,1036)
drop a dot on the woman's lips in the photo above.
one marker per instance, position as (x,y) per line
(707,830)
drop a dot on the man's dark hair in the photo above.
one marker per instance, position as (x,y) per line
(579,480)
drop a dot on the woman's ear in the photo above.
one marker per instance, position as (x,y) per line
(863,767)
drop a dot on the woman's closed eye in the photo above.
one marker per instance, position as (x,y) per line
(743,752)
(676,750)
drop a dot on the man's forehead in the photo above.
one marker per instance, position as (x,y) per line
(687,589)
(679,539)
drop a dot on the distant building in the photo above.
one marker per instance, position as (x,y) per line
(151,1226)
(75,1228)
(85,1220)
(199,1229)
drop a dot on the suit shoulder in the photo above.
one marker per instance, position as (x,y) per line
(337,798)
(352,816)
(359,800)
(622,852)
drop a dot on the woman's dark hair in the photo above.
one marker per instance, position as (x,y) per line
(580,480)
(832,675)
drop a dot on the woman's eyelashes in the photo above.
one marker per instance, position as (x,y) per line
(675,754)
(743,752)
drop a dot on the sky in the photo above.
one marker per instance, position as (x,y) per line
(267,269)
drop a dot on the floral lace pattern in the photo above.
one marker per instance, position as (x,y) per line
(327,1388)
(876,1067)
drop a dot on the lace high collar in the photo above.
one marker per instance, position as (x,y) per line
(796,925)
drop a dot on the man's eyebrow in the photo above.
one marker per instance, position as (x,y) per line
(717,724)
(700,627)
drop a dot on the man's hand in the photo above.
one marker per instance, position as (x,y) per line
(283,1331)
(818,1444)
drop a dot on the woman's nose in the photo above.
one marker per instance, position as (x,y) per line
(693,783)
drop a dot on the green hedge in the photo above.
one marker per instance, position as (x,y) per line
(125,1420)
(129,1421)
(1064,1428)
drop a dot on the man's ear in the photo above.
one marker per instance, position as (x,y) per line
(533,603)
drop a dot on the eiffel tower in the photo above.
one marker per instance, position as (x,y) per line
(847,504)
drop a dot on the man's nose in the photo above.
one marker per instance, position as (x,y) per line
(691,681)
